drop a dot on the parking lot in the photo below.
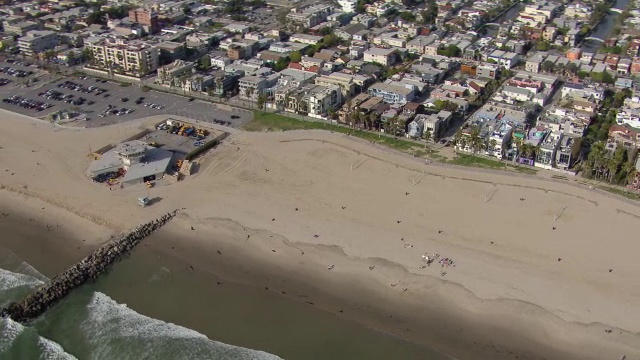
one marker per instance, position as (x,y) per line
(107,102)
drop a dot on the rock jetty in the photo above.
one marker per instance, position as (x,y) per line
(35,304)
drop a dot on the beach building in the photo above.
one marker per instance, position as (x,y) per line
(546,153)
(139,161)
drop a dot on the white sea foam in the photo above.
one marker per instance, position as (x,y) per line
(52,350)
(113,328)
(10,280)
(9,333)
(11,330)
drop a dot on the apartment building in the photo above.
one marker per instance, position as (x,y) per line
(172,73)
(310,16)
(348,6)
(250,87)
(345,83)
(384,57)
(37,41)
(136,58)
(306,39)
(392,94)
(323,99)
(487,71)
(19,28)
(533,63)
(146,18)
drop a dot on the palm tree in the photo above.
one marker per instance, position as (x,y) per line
(493,144)
(457,138)
(332,113)
(355,119)
(374,121)
(475,139)
(426,135)
(630,170)
(262,102)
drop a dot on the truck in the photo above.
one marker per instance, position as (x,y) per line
(189,131)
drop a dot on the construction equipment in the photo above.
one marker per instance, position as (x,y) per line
(149,184)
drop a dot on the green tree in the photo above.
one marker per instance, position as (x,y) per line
(204,63)
(602,77)
(407,16)
(426,135)
(295,57)
(325,30)
(542,46)
(262,102)
(548,66)
(572,68)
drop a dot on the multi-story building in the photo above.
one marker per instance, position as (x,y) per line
(434,124)
(490,71)
(384,57)
(309,16)
(344,81)
(348,6)
(136,58)
(306,39)
(251,87)
(533,63)
(19,28)
(37,41)
(582,91)
(147,18)
(546,153)
(631,117)
(392,94)
(172,74)
(564,152)
(323,99)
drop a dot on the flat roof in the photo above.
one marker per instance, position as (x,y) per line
(155,161)
(130,148)
(107,161)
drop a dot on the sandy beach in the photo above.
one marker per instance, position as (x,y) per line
(543,269)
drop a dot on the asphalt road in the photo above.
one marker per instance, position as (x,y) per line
(172,104)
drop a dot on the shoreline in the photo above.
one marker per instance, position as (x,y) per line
(514,289)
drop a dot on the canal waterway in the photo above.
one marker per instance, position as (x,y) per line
(605,28)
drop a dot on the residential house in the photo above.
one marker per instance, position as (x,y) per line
(392,93)
(435,124)
(251,87)
(384,57)
(533,64)
(37,42)
(546,153)
(306,39)
(490,71)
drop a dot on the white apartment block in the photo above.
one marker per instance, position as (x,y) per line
(37,41)
(323,99)
(348,6)
(136,58)
(306,39)
(385,57)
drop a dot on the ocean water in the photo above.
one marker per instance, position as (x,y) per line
(91,325)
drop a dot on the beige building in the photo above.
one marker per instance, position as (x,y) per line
(344,82)
(37,41)
(175,72)
(384,57)
(135,58)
